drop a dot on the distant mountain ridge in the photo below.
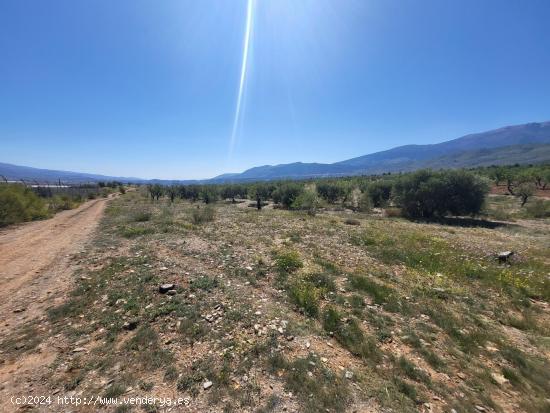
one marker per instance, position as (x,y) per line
(16,173)
(527,143)
(410,157)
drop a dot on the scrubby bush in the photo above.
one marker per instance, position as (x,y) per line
(307,201)
(305,296)
(288,261)
(427,194)
(538,208)
(209,194)
(63,202)
(202,215)
(192,193)
(364,203)
(141,216)
(20,204)
(233,191)
(287,193)
(379,192)
(330,191)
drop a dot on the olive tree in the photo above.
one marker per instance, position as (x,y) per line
(427,194)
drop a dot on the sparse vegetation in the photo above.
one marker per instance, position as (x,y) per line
(202,215)
(349,310)
(19,204)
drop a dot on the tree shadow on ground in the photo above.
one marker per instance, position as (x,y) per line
(466,222)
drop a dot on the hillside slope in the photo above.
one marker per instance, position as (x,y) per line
(512,144)
(524,144)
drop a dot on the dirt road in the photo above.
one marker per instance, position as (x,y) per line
(34,259)
(36,274)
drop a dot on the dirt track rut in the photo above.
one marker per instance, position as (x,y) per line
(35,274)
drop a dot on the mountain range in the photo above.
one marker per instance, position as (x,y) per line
(524,144)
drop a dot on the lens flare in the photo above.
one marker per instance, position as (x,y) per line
(244,67)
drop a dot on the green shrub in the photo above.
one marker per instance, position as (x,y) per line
(204,283)
(364,204)
(20,204)
(379,192)
(133,232)
(288,261)
(306,296)
(202,215)
(330,192)
(287,193)
(307,201)
(209,194)
(142,216)
(64,202)
(323,281)
(427,194)
(538,208)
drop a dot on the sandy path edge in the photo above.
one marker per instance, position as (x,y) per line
(36,273)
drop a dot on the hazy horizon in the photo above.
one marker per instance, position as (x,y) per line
(147,90)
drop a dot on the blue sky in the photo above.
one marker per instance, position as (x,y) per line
(149,88)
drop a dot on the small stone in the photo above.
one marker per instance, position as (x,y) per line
(207,384)
(130,325)
(481,408)
(461,375)
(249,268)
(504,256)
(308,344)
(164,288)
(171,292)
(290,338)
(348,375)
(19,310)
(79,350)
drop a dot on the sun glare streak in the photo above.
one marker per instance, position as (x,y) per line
(244,67)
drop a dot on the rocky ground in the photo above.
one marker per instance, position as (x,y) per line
(273,310)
